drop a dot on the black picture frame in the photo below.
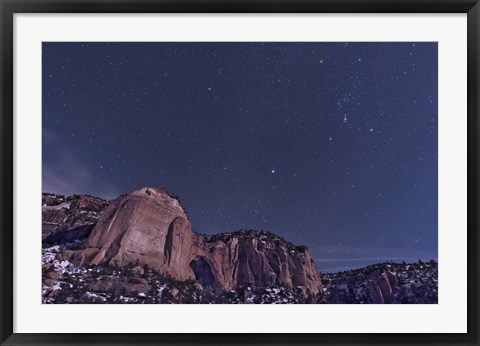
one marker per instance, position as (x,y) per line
(9,7)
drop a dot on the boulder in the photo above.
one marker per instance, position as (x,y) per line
(137,271)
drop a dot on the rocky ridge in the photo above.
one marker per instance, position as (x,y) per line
(69,218)
(149,227)
(140,248)
(383,283)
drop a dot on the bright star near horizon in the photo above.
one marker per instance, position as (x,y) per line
(273,171)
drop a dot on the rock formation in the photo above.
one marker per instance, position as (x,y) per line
(150,227)
(255,258)
(380,290)
(147,226)
(69,218)
(383,283)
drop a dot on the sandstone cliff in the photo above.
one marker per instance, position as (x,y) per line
(150,227)
(255,258)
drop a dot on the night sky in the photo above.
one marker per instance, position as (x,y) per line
(331,145)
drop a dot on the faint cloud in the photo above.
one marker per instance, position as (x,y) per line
(65,173)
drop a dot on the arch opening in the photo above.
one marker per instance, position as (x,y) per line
(203,273)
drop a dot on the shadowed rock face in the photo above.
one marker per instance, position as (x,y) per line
(203,272)
(150,227)
(69,218)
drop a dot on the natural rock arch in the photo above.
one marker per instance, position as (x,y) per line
(203,272)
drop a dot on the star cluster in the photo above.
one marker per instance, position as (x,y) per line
(332,145)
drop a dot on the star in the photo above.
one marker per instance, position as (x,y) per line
(214,117)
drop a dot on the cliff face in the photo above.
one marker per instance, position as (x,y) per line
(69,218)
(255,258)
(147,226)
(150,227)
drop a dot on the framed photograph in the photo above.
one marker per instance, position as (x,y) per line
(239,172)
